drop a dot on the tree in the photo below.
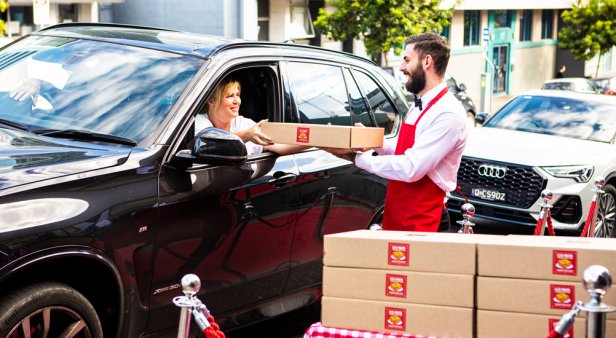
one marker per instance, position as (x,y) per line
(4,4)
(382,24)
(589,28)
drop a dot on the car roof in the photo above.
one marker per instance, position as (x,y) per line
(568,79)
(200,45)
(610,99)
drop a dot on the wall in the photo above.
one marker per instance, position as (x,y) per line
(206,17)
(532,66)
(467,68)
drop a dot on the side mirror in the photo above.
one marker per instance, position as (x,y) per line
(481,118)
(462,87)
(216,147)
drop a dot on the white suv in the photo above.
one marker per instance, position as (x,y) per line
(556,140)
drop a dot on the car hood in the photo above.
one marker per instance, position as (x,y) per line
(532,149)
(27,158)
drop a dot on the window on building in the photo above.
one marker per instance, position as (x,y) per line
(68,13)
(446,32)
(502,18)
(547,24)
(526,25)
(301,21)
(263,19)
(472,27)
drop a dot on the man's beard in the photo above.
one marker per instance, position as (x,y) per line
(416,81)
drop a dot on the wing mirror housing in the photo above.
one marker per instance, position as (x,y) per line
(215,147)
(482,117)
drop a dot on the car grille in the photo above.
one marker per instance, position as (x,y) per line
(521,184)
(499,214)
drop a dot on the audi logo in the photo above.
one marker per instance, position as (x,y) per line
(492,171)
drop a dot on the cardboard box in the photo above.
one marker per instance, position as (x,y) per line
(491,324)
(324,135)
(426,320)
(533,296)
(402,250)
(544,257)
(399,286)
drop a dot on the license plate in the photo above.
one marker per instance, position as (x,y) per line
(490,195)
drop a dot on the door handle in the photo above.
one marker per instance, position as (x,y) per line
(280,179)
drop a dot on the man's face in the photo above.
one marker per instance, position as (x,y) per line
(412,67)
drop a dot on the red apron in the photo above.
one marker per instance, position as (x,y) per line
(413,206)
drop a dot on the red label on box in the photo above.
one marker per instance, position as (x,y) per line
(398,254)
(395,285)
(562,296)
(395,319)
(303,135)
(564,262)
(553,322)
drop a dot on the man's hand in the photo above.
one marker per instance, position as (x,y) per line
(345,154)
(27,89)
(255,135)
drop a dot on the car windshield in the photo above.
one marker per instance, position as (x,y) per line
(567,117)
(55,83)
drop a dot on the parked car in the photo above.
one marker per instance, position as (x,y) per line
(107,198)
(556,140)
(576,84)
(606,84)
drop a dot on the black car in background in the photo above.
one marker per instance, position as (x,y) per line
(107,197)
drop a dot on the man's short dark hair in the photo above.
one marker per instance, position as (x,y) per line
(434,45)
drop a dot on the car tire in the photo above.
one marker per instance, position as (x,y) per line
(606,215)
(53,307)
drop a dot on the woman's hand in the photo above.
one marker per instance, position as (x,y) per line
(254,135)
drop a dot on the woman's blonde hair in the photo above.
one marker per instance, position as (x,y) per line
(221,89)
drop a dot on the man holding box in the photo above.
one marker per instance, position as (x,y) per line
(422,163)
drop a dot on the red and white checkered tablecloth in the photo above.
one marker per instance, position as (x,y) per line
(317,330)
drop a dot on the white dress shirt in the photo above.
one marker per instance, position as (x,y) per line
(440,138)
(239,123)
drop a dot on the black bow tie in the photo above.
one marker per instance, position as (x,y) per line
(418,102)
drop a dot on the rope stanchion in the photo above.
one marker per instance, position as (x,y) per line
(545,218)
(191,306)
(591,219)
(468,211)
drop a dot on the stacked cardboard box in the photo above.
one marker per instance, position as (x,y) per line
(526,283)
(393,281)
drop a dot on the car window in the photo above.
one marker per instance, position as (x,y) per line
(320,94)
(587,120)
(92,86)
(360,112)
(382,109)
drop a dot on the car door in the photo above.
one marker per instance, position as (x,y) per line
(229,225)
(334,195)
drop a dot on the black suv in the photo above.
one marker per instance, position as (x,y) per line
(107,197)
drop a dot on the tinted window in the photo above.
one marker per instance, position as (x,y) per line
(320,94)
(560,116)
(472,22)
(526,25)
(382,109)
(547,24)
(360,112)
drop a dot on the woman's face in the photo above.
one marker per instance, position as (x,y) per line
(229,105)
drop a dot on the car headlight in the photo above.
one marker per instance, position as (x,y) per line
(580,173)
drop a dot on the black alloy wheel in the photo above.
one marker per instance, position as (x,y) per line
(48,310)
(605,225)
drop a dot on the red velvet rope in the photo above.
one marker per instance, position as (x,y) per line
(214,330)
(591,212)
(550,227)
(538,227)
(554,334)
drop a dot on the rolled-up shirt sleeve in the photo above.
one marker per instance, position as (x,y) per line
(434,143)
